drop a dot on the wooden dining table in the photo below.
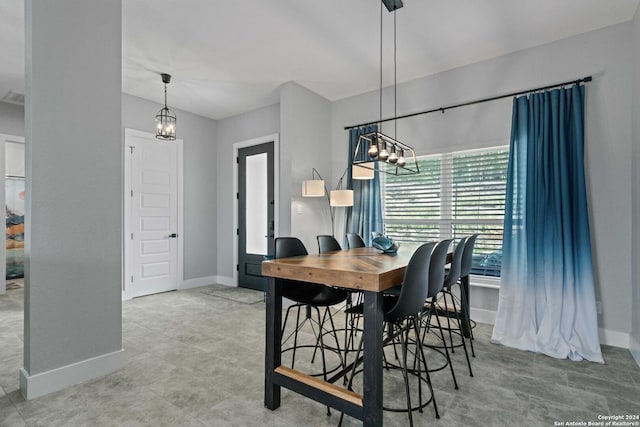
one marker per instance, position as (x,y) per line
(358,269)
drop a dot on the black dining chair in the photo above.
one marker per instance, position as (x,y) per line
(403,313)
(465,272)
(311,296)
(327,243)
(446,305)
(436,284)
(355,241)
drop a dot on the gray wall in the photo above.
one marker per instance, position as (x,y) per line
(305,123)
(11,119)
(603,54)
(200,178)
(243,127)
(199,185)
(635,195)
(73,187)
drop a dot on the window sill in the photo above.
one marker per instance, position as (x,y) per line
(484,282)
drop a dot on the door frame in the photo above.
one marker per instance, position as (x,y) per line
(4,138)
(276,189)
(126,210)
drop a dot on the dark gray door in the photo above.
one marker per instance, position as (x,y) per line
(255,213)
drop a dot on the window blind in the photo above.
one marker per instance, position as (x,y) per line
(455,195)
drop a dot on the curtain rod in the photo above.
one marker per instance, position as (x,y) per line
(478,101)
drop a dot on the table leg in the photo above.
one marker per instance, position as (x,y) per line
(372,354)
(273,343)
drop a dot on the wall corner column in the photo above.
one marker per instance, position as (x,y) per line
(73,224)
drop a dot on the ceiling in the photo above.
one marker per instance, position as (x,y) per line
(229,57)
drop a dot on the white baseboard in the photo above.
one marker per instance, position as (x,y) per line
(607,337)
(226,280)
(198,282)
(634,347)
(483,316)
(613,338)
(33,386)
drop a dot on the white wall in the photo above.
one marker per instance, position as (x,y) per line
(243,127)
(603,54)
(199,185)
(635,195)
(305,123)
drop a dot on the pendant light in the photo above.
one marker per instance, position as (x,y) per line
(166,119)
(375,148)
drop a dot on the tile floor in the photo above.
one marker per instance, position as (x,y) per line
(196,359)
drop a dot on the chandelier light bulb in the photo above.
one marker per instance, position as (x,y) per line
(393,157)
(384,154)
(401,160)
(373,148)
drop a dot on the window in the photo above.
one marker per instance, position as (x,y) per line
(454,195)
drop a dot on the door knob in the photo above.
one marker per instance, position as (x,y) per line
(173,236)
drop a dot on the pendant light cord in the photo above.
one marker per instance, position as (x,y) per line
(395,80)
(380,124)
(165,95)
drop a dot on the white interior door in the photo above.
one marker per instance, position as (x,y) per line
(154,215)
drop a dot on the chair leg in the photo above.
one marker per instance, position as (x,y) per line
(324,361)
(416,361)
(446,351)
(395,350)
(346,329)
(464,346)
(463,300)
(426,369)
(315,350)
(320,340)
(284,324)
(446,309)
(405,375)
(335,337)
(295,339)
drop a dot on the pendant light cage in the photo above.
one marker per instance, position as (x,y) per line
(166,119)
(390,155)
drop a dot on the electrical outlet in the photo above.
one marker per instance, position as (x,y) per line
(599,307)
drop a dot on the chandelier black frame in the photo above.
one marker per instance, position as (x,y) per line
(166,119)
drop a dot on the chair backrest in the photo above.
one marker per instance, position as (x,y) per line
(327,243)
(456,263)
(289,246)
(355,241)
(467,255)
(414,286)
(292,289)
(436,268)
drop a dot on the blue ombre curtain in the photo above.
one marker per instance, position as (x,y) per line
(547,301)
(366,214)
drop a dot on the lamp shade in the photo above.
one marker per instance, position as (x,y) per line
(341,198)
(313,188)
(363,171)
